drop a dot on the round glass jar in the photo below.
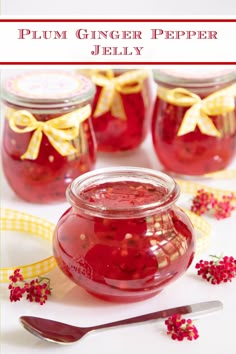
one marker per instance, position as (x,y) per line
(122,108)
(123,238)
(194,120)
(48,138)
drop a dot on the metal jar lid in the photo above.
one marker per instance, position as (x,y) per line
(194,76)
(47,90)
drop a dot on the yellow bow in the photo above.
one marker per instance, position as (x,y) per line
(59,131)
(220,102)
(112,87)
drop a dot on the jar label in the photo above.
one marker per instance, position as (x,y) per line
(48,85)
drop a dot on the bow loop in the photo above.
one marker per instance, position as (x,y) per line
(222,103)
(60,131)
(218,103)
(184,97)
(112,88)
(23,119)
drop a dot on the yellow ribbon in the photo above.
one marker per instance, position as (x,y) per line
(13,220)
(218,103)
(223,174)
(193,187)
(112,87)
(60,131)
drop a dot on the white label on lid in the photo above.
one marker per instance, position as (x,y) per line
(48,85)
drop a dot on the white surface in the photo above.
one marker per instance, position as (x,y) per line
(121,7)
(71,304)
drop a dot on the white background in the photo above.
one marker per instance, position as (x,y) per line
(122,7)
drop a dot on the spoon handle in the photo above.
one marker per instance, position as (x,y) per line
(195,310)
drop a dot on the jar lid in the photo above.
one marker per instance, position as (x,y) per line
(47,89)
(194,76)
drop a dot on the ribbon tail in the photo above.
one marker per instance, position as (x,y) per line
(34,145)
(105,100)
(190,120)
(117,108)
(64,148)
(206,126)
(195,117)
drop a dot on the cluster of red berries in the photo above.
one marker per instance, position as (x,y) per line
(180,328)
(37,290)
(219,270)
(206,202)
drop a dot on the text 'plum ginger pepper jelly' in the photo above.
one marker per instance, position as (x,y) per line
(123,238)
(194,120)
(48,139)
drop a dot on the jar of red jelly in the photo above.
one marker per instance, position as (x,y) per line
(123,238)
(48,138)
(122,108)
(194,120)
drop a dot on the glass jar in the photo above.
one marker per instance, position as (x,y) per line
(122,108)
(194,120)
(123,238)
(48,138)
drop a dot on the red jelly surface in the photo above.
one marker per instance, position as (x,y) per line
(115,134)
(124,259)
(46,178)
(193,153)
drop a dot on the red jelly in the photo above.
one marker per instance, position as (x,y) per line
(122,122)
(48,139)
(182,98)
(123,238)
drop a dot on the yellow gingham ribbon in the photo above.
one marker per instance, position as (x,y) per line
(223,174)
(193,187)
(13,220)
(200,224)
(203,229)
(220,102)
(112,87)
(60,131)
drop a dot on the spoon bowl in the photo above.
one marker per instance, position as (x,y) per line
(59,332)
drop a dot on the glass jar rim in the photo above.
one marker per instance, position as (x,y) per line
(14,90)
(117,174)
(191,78)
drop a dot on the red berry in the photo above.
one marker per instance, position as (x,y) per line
(37,289)
(206,202)
(179,328)
(217,271)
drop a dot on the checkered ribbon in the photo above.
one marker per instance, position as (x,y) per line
(13,220)
(223,174)
(60,131)
(192,188)
(110,98)
(220,102)
(203,231)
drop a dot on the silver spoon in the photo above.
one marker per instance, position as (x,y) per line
(63,333)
